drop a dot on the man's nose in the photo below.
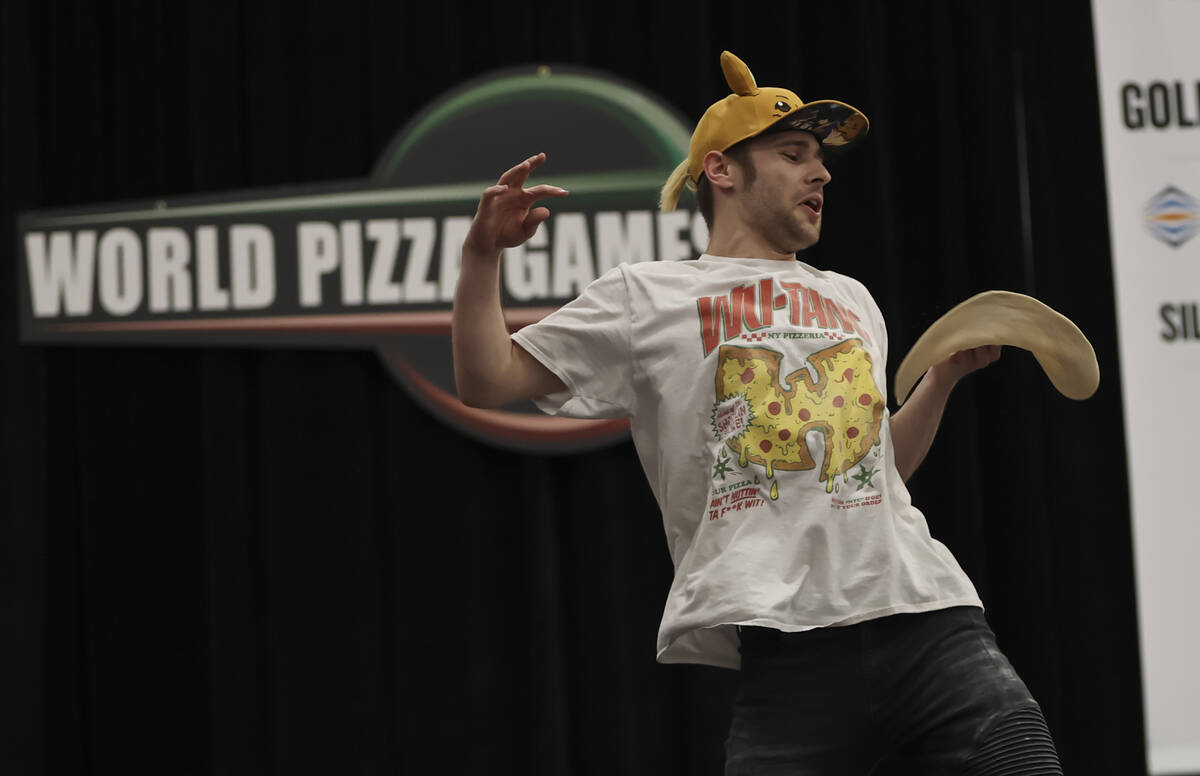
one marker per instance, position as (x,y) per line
(820,173)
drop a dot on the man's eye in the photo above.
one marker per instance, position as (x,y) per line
(793,157)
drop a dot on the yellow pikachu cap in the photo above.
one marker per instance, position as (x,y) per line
(751,110)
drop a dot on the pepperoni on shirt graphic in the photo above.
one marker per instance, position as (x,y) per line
(765,419)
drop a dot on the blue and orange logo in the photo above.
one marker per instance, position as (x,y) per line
(1173,216)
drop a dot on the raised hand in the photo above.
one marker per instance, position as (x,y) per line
(964,362)
(505,217)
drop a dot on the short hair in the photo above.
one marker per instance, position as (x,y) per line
(740,153)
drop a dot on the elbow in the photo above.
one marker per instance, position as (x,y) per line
(463,387)
(468,390)
(470,396)
(475,395)
(476,402)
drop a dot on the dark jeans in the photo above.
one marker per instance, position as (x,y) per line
(931,689)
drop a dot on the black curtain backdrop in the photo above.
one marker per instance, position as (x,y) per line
(224,561)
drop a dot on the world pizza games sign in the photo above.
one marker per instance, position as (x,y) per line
(375,264)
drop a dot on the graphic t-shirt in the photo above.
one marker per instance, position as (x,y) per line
(757,399)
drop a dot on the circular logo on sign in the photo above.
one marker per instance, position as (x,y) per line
(607,141)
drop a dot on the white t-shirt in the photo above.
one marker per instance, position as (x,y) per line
(757,399)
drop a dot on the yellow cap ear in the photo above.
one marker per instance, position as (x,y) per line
(737,75)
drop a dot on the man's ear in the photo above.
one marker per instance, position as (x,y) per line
(719,169)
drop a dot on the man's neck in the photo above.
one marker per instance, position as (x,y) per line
(742,243)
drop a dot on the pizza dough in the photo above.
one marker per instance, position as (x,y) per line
(1005,318)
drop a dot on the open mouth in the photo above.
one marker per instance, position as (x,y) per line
(814,204)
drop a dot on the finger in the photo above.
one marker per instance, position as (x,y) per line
(985,354)
(489,199)
(535,217)
(518,174)
(544,191)
(491,192)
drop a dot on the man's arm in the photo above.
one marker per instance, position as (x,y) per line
(916,423)
(490,370)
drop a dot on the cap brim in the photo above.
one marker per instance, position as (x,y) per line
(836,125)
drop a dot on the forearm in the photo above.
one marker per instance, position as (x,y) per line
(915,425)
(483,351)
(490,370)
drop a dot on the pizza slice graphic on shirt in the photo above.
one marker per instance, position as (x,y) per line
(765,419)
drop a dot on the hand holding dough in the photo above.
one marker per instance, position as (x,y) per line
(1005,318)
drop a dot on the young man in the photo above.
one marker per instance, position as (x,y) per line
(755,387)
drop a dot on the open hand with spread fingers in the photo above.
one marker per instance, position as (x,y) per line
(506,216)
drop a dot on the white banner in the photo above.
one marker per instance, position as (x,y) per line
(1149,70)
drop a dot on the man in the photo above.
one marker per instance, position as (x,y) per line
(754,384)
